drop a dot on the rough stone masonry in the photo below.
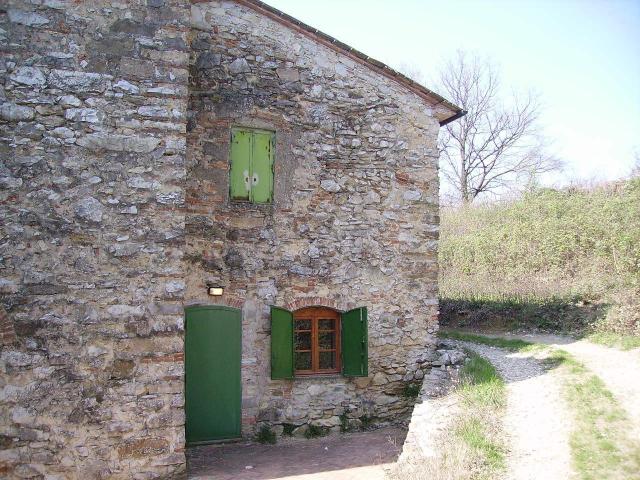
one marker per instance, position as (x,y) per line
(115,213)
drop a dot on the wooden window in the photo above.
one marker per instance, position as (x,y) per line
(251,170)
(316,341)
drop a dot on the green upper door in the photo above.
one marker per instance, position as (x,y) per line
(262,168)
(240,173)
(251,173)
(212,373)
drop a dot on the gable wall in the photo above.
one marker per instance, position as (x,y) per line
(355,213)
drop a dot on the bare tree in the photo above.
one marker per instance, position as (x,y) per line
(635,169)
(413,72)
(493,147)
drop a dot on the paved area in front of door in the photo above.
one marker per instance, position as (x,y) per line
(351,456)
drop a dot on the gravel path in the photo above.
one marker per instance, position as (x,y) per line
(536,420)
(619,370)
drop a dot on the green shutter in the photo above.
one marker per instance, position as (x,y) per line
(251,175)
(240,174)
(355,361)
(262,168)
(281,343)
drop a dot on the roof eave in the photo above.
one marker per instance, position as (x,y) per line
(452,118)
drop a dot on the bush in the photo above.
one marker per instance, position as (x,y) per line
(546,256)
(287,429)
(411,390)
(266,435)
(316,431)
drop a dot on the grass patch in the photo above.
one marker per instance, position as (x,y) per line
(411,390)
(314,431)
(472,432)
(512,344)
(615,340)
(287,429)
(481,386)
(600,445)
(484,395)
(266,435)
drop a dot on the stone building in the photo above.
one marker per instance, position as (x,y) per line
(215,162)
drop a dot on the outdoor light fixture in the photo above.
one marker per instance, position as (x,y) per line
(215,291)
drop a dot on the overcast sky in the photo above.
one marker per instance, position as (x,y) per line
(582,56)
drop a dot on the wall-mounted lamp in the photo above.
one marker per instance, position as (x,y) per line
(215,291)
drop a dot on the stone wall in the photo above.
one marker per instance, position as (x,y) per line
(93,117)
(355,215)
(436,408)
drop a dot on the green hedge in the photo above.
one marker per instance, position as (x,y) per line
(568,244)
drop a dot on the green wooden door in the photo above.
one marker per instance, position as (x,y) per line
(212,373)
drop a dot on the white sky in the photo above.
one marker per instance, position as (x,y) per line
(581,56)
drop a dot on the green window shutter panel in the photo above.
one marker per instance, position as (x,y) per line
(355,350)
(240,174)
(281,343)
(262,168)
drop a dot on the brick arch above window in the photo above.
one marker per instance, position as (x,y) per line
(303,302)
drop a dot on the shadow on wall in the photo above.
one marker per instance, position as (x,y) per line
(565,315)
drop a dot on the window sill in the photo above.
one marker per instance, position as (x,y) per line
(240,206)
(318,376)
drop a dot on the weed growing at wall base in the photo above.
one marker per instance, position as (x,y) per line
(314,431)
(411,390)
(287,429)
(266,435)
